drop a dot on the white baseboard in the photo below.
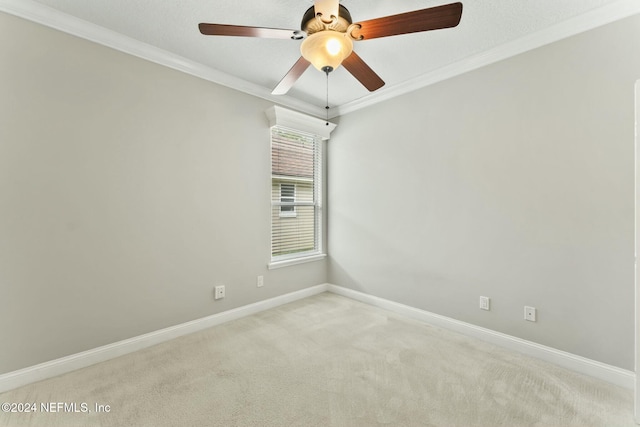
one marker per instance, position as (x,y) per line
(570,361)
(60,366)
(70,363)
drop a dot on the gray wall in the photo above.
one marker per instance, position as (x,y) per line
(514,181)
(127,191)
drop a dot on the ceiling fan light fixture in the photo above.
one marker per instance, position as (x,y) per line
(328,30)
(326,49)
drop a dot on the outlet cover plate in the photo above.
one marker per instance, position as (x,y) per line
(530,313)
(219,292)
(485,303)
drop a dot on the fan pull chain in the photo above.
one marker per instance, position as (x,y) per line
(327,70)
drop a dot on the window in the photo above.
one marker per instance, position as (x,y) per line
(287,200)
(296,179)
(295,183)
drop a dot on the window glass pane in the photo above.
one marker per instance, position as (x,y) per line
(287,191)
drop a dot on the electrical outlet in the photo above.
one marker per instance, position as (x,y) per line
(530,313)
(485,303)
(260,281)
(219,292)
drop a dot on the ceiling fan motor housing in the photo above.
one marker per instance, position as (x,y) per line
(311,24)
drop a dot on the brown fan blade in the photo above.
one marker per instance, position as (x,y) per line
(238,30)
(291,77)
(326,8)
(433,18)
(362,72)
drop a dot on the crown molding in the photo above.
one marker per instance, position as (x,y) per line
(585,22)
(47,16)
(41,14)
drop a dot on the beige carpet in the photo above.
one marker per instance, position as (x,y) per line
(326,361)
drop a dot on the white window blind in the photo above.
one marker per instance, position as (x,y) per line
(295,193)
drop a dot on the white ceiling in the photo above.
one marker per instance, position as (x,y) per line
(490,30)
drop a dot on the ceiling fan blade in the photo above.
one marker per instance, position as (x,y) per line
(327,8)
(291,77)
(362,72)
(238,30)
(433,18)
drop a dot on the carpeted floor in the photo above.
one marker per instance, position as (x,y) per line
(325,361)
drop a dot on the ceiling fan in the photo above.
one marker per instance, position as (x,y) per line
(327,33)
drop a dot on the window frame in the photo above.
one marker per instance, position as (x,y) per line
(320,130)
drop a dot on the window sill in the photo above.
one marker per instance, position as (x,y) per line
(293,261)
